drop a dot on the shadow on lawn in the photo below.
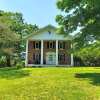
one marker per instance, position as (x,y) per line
(93,77)
(13,73)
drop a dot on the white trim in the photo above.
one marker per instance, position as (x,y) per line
(56,52)
(42,52)
(26,60)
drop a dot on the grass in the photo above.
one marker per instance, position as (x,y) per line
(50,84)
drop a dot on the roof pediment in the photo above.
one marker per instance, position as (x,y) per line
(48,33)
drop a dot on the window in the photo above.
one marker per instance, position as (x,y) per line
(61,45)
(37,45)
(61,57)
(50,57)
(51,45)
(36,58)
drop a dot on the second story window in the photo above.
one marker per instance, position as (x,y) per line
(51,45)
(37,45)
(61,45)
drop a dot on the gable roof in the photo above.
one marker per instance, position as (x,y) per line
(47,29)
(41,30)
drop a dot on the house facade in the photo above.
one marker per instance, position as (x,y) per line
(48,48)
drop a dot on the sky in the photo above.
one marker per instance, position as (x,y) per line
(39,12)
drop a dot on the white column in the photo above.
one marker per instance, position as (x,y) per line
(72,58)
(41,52)
(56,52)
(26,60)
(72,61)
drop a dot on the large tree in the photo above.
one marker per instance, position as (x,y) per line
(80,13)
(8,40)
(12,31)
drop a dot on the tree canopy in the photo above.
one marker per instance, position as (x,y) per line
(80,13)
(13,29)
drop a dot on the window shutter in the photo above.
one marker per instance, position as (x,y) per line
(39,45)
(63,45)
(47,45)
(54,46)
(64,57)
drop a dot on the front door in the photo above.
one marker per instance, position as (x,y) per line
(51,58)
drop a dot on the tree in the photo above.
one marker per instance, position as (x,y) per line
(80,13)
(17,24)
(12,31)
(90,55)
(8,41)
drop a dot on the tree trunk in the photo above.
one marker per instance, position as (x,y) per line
(8,62)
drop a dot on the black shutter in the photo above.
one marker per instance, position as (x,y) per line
(34,44)
(47,45)
(64,57)
(39,45)
(58,45)
(63,45)
(54,46)
(58,57)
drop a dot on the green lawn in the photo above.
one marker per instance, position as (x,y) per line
(50,84)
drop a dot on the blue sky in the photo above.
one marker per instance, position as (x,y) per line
(40,12)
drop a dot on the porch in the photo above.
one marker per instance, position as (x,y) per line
(48,52)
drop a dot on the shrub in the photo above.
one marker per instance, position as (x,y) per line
(19,65)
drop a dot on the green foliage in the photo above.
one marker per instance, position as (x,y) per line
(19,65)
(83,15)
(80,13)
(13,29)
(90,55)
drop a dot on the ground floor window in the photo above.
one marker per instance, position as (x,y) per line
(36,58)
(61,57)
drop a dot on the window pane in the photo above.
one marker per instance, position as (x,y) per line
(37,45)
(50,44)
